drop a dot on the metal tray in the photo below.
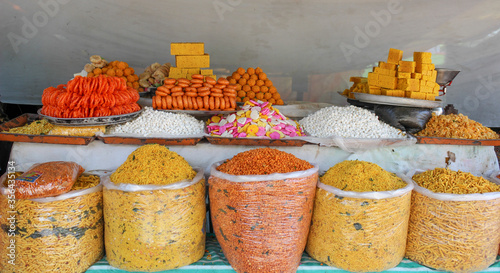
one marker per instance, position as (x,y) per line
(93,121)
(52,139)
(397,101)
(457,141)
(255,141)
(151,140)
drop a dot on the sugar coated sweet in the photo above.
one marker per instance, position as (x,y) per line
(151,121)
(255,119)
(347,122)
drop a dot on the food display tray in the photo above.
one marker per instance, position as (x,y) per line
(53,139)
(93,121)
(255,141)
(457,141)
(396,101)
(153,140)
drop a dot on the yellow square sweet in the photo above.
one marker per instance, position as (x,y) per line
(430,97)
(408,84)
(187,48)
(192,61)
(373,79)
(404,75)
(375,90)
(385,65)
(383,71)
(407,64)
(422,57)
(417,76)
(424,67)
(406,69)
(434,75)
(206,72)
(395,55)
(388,82)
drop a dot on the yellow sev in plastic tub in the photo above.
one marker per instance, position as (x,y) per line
(453,232)
(360,231)
(63,233)
(154,227)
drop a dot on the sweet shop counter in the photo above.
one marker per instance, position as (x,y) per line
(214,261)
(100,156)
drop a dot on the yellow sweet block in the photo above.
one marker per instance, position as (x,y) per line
(417,76)
(373,79)
(426,87)
(388,82)
(430,84)
(386,92)
(395,55)
(383,71)
(408,84)
(434,75)
(425,78)
(358,79)
(424,67)
(406,69)
(192,71)
(430,97)
(187,48)
(375,90)
(404,75)
(407,64)
(176,73)
(436,87)
(422,57)
(206,72)
(416,95)
(385,65)
(192,61)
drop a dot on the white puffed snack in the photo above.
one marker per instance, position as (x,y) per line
(151,121)
(347,122)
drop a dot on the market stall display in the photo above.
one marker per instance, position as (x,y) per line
(201,93)
(261,204)
(253,84)
(454,221)
(84,97)
(53,234)
(154,211)
(360,218)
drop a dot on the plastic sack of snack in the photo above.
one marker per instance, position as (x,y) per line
(53,234)
(47,179)
(360,218)
(261,204)
(155,221)
(454,221)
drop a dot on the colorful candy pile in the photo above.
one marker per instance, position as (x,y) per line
(255,119)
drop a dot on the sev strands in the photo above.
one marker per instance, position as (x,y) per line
(58,236)
(359,231)
(456,126)
(155,230)
(442,180)
(453,232)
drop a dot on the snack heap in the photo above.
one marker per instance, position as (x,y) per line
(99,66)
(253,83)
(84,97)
(410,79)
(154,75)
(190,58)
(199,93)
(255,119)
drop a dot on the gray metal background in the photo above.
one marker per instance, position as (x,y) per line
(308,48)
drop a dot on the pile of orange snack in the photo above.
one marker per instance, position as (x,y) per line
(100,66)
(254,84)
(200,93)
(84,97)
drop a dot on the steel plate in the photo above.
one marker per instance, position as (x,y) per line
(397,101)
(93,121)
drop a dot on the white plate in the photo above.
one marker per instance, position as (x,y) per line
(397,101)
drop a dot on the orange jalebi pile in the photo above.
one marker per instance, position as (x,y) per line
(84,97)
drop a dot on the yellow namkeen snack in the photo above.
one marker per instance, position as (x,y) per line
(441,180)
(155,230)
(58,236)
(37,127)
(456,126)
(361,176)
(153,164)
(360,232)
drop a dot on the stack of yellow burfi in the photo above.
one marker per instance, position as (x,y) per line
(190,58)
(411,79)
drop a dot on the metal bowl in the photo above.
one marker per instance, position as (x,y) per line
(445,76)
